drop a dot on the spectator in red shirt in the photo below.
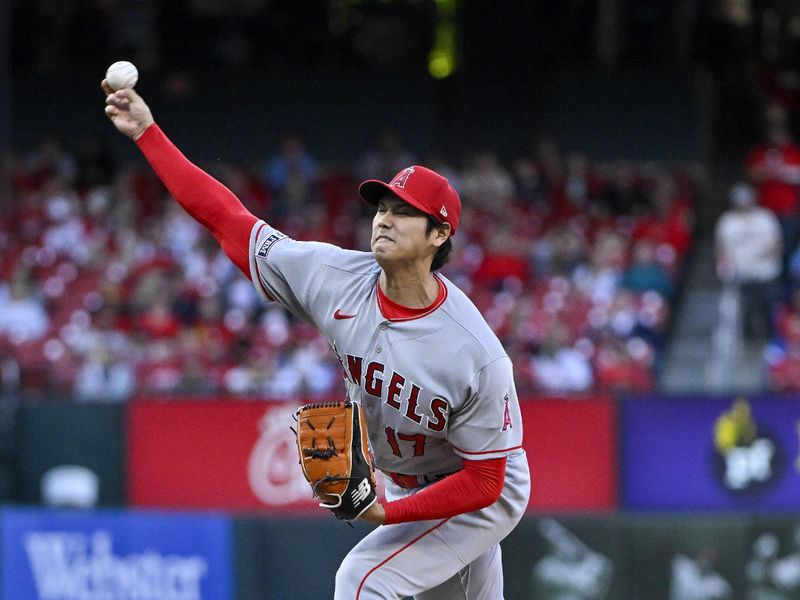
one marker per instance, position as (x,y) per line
(774,167)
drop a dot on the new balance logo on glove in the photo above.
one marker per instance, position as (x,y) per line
(361,492)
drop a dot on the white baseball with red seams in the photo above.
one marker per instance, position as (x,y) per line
(122,74)
(435,389)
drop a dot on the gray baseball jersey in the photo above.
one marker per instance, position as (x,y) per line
(435,389)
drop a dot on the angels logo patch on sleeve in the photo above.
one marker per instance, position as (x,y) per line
(267,243)
(506,414)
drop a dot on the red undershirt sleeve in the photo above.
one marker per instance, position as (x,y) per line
(477,485)
(203,197)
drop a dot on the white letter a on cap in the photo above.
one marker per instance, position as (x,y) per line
(401,178)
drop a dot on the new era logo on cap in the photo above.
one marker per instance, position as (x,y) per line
(422,188)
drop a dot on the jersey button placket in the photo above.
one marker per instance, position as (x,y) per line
(378,349)
(380,337)
(377,343)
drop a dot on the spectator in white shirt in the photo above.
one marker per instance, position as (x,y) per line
(559,367)
(104,378)
(748,246)
(23,317)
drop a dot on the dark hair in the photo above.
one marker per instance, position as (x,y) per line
(443,252)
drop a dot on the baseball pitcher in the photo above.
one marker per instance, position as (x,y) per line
(430,391)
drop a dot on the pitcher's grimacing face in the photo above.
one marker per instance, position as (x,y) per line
(399,232)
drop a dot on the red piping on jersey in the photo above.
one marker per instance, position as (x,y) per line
(383,562)
(488,451)
(258,233)
(397,312)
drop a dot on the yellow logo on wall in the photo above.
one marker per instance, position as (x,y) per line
(747,456)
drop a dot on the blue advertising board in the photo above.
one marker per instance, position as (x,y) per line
(734,453)
(114,554)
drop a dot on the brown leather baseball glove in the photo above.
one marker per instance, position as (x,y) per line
(332,443)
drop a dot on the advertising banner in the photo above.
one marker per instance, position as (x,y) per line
(100,555)
(737,453)
(681,556)
(209,454)
(652,557)
(571,447)
(579,558)
(242,455)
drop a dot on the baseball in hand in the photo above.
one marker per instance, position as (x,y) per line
(122,74)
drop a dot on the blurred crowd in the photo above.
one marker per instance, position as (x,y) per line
(758,248)
(107,289)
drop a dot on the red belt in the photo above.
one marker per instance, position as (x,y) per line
(414,481)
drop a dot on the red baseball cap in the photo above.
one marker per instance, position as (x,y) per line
(422,188)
